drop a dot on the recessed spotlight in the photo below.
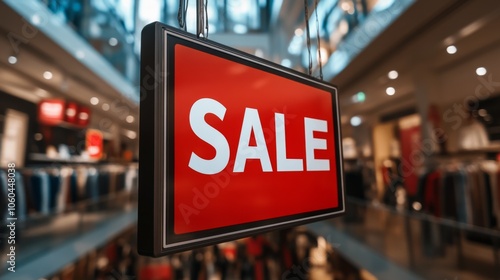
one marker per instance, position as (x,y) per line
(71,112)
(80,54)
(105,106)
(481,71)
(390,91)
(38,137)
(12,59)
(393,74)
(94,100)
(451,49)
(83,116)
(113,41)
(299,32)
(36,19)
(356,121)
(131,134)
(130,119)
(47,75)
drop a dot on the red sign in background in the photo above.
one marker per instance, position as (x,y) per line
(203,202)
(94,143)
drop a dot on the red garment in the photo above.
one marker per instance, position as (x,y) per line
(432,193)
(255,249)
(255,246)
(156,272)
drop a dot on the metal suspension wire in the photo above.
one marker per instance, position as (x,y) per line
(201,17)
(320,62)
(181,14)
(308,36)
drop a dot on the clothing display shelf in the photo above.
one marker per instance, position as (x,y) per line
(56,203)
(45,191)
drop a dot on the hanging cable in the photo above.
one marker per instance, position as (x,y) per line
(308,36)
(206,18)
(181,14)
(200,18)
(319,44)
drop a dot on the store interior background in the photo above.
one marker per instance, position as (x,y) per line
(419,85)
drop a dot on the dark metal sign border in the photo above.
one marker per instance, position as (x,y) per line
(155,210)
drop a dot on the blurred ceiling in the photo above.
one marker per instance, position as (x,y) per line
(415,46)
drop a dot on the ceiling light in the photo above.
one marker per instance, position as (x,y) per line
(36,19)
(94,100)
(286,62)
(299,32)
(130,119)
(451,49)
(83,116)
(12,59)
(42,93)
(359,97)
(356,121)
(105,106)
(113,41)
(38,137)
(71,112)
(47,75)
(481,71)
(390,91)
(80,54)
(130,134)
(393,74)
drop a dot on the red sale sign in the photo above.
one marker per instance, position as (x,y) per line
(240,146)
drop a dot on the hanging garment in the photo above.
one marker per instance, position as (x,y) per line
(120,181)
(20,197)
(55,187)
(449,197)
(432,194)
(489,217)
(92,186)
(3,195)
(64,192)
(474,182)
(462,198)
(104,183)
(491,169)
(40,191)
(73,188)
(130,179)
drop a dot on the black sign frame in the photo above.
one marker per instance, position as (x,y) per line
(156,147)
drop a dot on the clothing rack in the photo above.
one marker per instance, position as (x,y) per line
(45,191)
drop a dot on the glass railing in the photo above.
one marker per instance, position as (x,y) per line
(431,247)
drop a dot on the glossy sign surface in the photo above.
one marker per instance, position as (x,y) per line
(227,198)
(230,145)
